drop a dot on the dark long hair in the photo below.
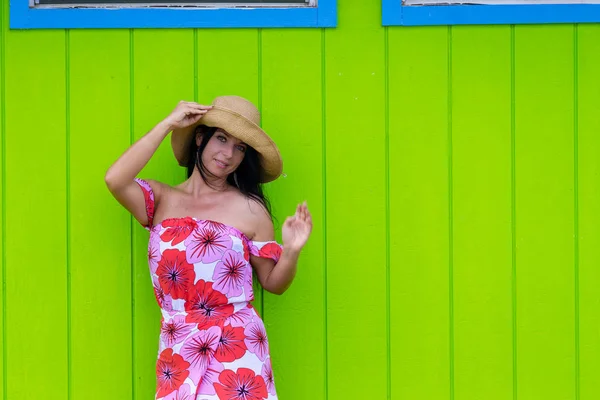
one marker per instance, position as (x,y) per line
(246,177)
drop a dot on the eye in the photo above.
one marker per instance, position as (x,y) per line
(221,138)
(241,148)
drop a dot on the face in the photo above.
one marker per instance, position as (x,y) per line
(223,153)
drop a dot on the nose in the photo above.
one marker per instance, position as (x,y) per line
(228,150)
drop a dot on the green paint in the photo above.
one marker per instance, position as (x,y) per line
(452,173)
(356,204)
(589,209)
(36,242)
(100,312)
(3,22)
(481,138)
(295,124)
(544,212)
(419,213)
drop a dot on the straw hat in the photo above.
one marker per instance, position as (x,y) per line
(241,119)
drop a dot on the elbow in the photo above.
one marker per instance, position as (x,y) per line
(111,180)
(276,290)
(108,180)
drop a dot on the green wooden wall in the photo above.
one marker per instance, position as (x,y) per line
(453,174)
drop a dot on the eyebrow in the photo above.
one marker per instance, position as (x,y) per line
(230,136)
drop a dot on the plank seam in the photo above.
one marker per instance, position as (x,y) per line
(324,202)
(3,161)
(68,208)
(387,213)
(576,205)
(450,217)
(196,88)
(132,233)
(513,204)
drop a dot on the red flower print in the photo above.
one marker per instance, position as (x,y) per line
(231,344)
(175,330)
(270,250)
(246,250)
(171,371)
(267,374)
(175,274)
(230,274)
(243,385)
(256,340)
(206,245)
(206,305)
(199,349)
(178,229)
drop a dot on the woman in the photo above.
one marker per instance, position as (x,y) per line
(206,236)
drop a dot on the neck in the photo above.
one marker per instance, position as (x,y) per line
(197,186)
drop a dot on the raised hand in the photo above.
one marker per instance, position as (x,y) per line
(297,228)
(185,114)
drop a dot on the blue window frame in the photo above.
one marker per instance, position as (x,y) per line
(323,14)
(396,12)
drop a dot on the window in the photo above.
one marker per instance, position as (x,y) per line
(33,14)
(462,12)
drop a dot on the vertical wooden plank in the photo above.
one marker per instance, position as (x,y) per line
(100,274)
(356,204)
(295,321)
(589,210)
(36,307)
(482,210)
(544,166)
(158,84)
(419,213)
(228,64)
(3,30)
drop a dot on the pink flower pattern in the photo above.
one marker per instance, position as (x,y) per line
(230,273)
(153,252)
(212,341)
(206,245)
(256,340)
(210,377)
(175,330)
(267,374)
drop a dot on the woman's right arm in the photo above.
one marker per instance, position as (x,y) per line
(120,176)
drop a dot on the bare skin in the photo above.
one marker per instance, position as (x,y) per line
(216,200)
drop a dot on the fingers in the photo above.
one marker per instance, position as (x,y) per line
(196,118)
(302,213)
(194,105)
(289,221)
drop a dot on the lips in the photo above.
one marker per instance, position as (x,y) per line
(221,164)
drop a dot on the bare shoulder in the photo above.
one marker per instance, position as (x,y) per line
(158,188)
(259,218)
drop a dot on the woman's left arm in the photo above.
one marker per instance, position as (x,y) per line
(277,277)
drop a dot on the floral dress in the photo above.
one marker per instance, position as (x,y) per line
(213,344)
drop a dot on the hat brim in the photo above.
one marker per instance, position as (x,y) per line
(239,127)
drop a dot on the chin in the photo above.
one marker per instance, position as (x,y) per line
(218,173)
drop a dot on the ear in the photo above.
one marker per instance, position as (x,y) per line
(198,136)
